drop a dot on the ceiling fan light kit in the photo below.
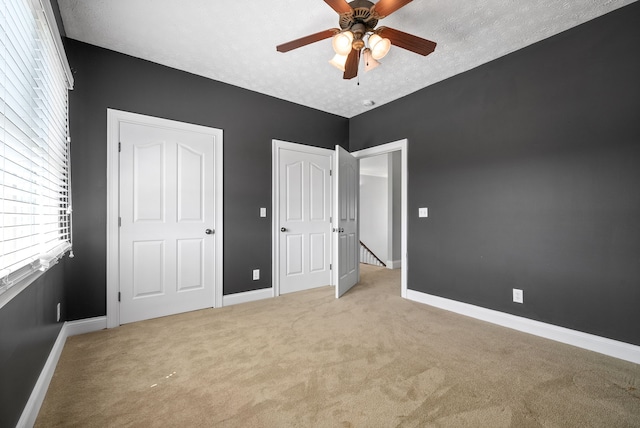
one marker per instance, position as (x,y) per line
(342,42)
(369,62)
(358,35)
(338,61)
(379,46)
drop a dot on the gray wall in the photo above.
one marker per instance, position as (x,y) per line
(530,168)
(106,79)
(28,330)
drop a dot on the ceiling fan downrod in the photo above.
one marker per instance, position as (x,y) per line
(358,31)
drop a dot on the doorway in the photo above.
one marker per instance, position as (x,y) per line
(302,216)
(380,202)
(401,147)
(315,218)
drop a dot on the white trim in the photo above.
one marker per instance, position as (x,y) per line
(275,197)
(32,408)
(113,212)
(394,264)
(612,348)
(247,296)
(114,117)
(87,325)
(13,291)
(27,275)
(39,391)
(403,147)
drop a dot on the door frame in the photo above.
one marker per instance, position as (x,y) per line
(114,118)
(403,147)
(275,205)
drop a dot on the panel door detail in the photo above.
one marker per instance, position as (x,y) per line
(167,203)
(347,188)
(304,221)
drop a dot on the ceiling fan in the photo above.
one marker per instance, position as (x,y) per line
(358,35)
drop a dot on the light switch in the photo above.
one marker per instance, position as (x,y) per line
(423,212)
(256,274)
(263,212)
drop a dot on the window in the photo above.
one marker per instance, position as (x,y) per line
(35,192)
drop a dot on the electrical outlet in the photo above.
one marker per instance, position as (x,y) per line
(256,274)
(58,312)
(263,212)
(518,296)
(423,212)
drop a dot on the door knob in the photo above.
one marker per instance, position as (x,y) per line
(283,229)
(208,232)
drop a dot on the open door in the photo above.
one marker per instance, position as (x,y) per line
(346,191)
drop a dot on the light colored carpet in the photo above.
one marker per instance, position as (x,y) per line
(369,359)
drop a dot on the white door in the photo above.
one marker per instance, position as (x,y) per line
(167,211)
(303,223)
(347,185)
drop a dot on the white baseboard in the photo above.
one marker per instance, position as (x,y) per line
(394,264)
(86,325)
(610,347)
(72,328)
(247,296)
(31,409)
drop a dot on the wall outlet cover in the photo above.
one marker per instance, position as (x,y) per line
(256,274)
(423,212)
(263,212)
(518,296)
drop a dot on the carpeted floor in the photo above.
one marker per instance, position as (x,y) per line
(369,359)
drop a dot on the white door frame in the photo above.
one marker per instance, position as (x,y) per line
(403,147)
(114,118)
(275,205)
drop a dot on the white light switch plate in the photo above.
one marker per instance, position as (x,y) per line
(256,274)
(263,212)
(423,212)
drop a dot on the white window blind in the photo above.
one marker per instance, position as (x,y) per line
(35,193)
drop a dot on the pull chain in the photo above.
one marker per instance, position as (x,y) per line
(358,82)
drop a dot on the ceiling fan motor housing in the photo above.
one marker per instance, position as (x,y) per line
(361,13)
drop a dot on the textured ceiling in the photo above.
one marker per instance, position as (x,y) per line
(234,41)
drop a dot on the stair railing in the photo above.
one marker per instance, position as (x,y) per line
(368,257)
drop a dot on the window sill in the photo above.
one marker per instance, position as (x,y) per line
(46,262)
(12,292)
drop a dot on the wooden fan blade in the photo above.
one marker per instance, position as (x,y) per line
(339,6)
(303,41)
(387,7)
(351,66)
(407,41)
